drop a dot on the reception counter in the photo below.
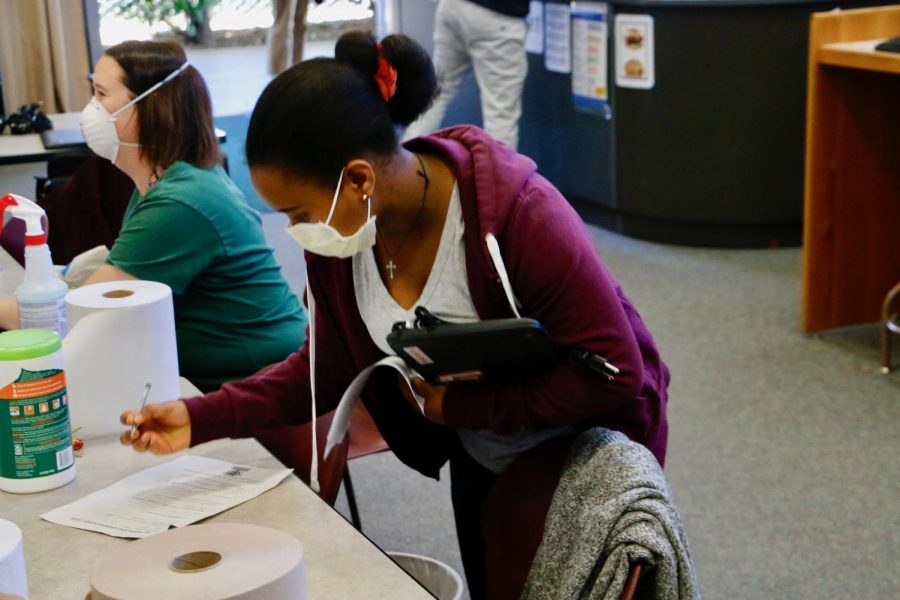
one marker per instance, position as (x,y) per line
(713,154)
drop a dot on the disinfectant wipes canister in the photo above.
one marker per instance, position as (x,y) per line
(35,435)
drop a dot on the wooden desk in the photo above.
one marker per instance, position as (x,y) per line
(851,249)
(18,149)
(339,561)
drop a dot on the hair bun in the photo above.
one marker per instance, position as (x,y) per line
(360,50)
(416,80)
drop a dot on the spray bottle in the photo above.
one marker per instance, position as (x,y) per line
(41,296)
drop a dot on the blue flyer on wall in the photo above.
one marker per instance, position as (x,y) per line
(590,87)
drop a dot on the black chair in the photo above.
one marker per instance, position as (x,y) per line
(85,198)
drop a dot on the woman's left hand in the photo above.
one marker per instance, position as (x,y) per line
(433,395)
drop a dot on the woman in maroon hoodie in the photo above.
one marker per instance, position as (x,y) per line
(458,216)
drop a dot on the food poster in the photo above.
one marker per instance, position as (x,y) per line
(557,37)
(634,51)
(590,89)
(534,41)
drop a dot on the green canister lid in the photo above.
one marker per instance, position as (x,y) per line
(21,344)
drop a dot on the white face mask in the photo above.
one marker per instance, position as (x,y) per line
(98,126)
(325,240)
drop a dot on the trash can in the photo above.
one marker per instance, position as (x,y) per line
(438,578)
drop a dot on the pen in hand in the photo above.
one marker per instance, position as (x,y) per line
(141,406)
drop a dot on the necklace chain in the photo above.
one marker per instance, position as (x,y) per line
(391,266)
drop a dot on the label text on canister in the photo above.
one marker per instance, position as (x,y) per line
(34,425)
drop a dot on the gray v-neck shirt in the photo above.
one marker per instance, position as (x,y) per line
(446,295)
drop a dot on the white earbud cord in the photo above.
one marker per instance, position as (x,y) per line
(311,304)
(314,463)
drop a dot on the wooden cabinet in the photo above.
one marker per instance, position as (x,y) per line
(851,248)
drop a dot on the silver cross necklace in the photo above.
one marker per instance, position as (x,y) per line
(391,266)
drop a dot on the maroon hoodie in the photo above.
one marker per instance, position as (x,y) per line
(556,275)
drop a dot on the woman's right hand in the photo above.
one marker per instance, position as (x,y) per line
(161,428)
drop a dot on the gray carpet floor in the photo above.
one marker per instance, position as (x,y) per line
(783,447)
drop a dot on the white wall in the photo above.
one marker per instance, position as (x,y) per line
(19,179)
(415,18)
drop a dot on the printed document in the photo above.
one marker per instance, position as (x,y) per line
(173,494)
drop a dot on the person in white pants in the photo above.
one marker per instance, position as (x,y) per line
(286,35)
(489,36)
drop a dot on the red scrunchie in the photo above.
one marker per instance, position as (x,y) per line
(386,77)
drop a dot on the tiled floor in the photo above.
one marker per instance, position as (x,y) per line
(237,76)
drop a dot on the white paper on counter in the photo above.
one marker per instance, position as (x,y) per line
(534,41)
(557,38)
(341,420)
(176,493)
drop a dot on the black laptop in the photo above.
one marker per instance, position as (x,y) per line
(57,139)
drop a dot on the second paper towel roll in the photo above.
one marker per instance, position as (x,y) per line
(121,336)
(12,560)
(215,561)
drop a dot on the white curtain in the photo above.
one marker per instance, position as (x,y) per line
(44,54)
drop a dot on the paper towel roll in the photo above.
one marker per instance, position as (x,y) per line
(12,560)
(254,562)
(121,336)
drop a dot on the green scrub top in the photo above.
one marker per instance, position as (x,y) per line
(234,311)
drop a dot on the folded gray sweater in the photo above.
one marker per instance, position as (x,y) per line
(612,508)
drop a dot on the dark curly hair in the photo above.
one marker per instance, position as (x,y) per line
(319,114)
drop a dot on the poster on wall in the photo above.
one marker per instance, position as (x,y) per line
(534,41)
(634,52)
(590,87)
(557,38)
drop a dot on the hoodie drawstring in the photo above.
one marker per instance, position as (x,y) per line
(497,258)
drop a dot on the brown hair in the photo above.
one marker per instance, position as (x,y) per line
(175,121)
